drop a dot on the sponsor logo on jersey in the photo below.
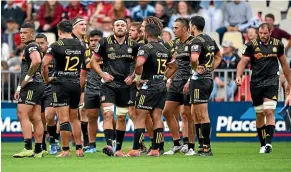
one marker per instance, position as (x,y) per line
(74,52)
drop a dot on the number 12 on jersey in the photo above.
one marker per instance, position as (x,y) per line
(72,63)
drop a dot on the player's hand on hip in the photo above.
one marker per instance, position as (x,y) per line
(16,95)
(128,80)
(238,81)
(186,87)
(107,77)
(168,84)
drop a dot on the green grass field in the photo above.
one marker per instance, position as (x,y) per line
(227,157)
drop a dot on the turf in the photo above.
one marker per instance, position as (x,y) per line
(227,157)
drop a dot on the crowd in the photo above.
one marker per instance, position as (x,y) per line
(220,16)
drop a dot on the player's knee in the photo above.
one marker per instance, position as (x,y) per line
(108,109)
(65,126)
(269,107)
(108,118)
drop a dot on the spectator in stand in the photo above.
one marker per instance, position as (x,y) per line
(142,11)
(161,13)
(171,7)
(12,37)
(75,9)
(10,10)
(236,15)
(183,10)
(119,10)
(168,34)
(50,14)
(107,26)
(5,51)
(229,61)
(212,14)
(97,11)
(276,31)
(252,33)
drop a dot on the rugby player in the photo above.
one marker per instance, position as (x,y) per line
(205,57)
(92,94)
(47,111)
(263,53)
(178,92)
(29,93)
(118,52)
(68,54)
(79,33)
(152,95)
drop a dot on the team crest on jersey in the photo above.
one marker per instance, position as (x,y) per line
(194,47)
(257,49)
(129,50)
(186,48)
(97,47)
(103,98)
(140,53)
(111,49)
(275,50)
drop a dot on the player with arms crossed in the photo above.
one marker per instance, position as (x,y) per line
(92,94)
(151,99)
(118,52)
(263,53)
(29,94)
(178,92)
(68,54)
(205,57)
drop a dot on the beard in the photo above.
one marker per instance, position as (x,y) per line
(119,35)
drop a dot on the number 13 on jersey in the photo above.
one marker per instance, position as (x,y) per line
(162,66)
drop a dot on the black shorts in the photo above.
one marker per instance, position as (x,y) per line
(259,93)
(133,95)
(46,101)
(31,94)
(66,94)
(183,99)
(91,101)
(200,90)
(118,96)
(150,101)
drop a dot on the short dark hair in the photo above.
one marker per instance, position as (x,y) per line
(152,30)
(184,21)
(270,16)
(266,25)
(96,32)
(199,22)
(28,25)
(65,26)
(41,35)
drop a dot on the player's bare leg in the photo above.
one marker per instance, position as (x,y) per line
(76,130)
(92,115)
(84,123)
(184,118)
(38,128)
(108,114)
(269,108)
(200,113)
(191,131)
(158,131)
(261,128)
(120,129)
(44,133)
(25,114)
(50,114)
(150,129)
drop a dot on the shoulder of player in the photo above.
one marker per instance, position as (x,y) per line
(276,42)
(32,45)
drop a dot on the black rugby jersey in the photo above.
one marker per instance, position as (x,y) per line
(157,56)
(207,48)
(118,59)
(264,61)
(68,55)
(26,62)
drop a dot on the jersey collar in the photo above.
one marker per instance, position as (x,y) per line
(270,41)
(116,42)
(28,42)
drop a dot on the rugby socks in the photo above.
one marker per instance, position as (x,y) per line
(270,129)
(185,141)
(43,140)
(57,136)
(206,130)
(152,141)
(261,134)
(108,136)
(84,127)
(138,138)
(199,135)
(92,144)
(28,144)
(78,147)
(162,145)
(52,133)
(38,148)
(119,139)
(158,133)
(177,142)
(191,146)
